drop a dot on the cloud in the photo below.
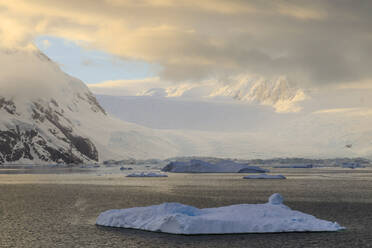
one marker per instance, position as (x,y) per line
(126,87)
(46,44)
(363,84)
(87,62)
(314,43)
(28,73)
(349,112)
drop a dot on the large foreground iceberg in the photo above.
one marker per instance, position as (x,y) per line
(200,166)
(177,218)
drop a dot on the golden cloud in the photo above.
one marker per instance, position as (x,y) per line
(211,38)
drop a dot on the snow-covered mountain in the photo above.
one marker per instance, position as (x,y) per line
(278,92)
(47,116)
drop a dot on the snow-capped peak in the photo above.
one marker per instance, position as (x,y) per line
(277,92)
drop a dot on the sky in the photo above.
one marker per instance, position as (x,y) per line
(316,42)
(275,53)
(92,66)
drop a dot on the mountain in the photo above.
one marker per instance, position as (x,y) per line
(278,92)
(47,116)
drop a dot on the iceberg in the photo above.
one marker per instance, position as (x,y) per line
(149,174)
(352,165)
(176,218)
(264,176)
(200,166)
(253,169)
(296,166)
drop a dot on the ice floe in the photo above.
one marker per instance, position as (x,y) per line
(147,174)
(296,166)
(265,176)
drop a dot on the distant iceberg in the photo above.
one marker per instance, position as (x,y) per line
(264,176)
(200,166)
(296,166)
(147,174)
(352,165)
(253,169)
(177,218)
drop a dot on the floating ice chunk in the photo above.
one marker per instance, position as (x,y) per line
(264,176)
(352,165)
(253,169)
(296,166)
(148,174)
(244,218)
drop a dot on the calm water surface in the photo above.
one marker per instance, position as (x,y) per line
(59,209)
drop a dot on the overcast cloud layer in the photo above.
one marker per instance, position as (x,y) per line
(313,43)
